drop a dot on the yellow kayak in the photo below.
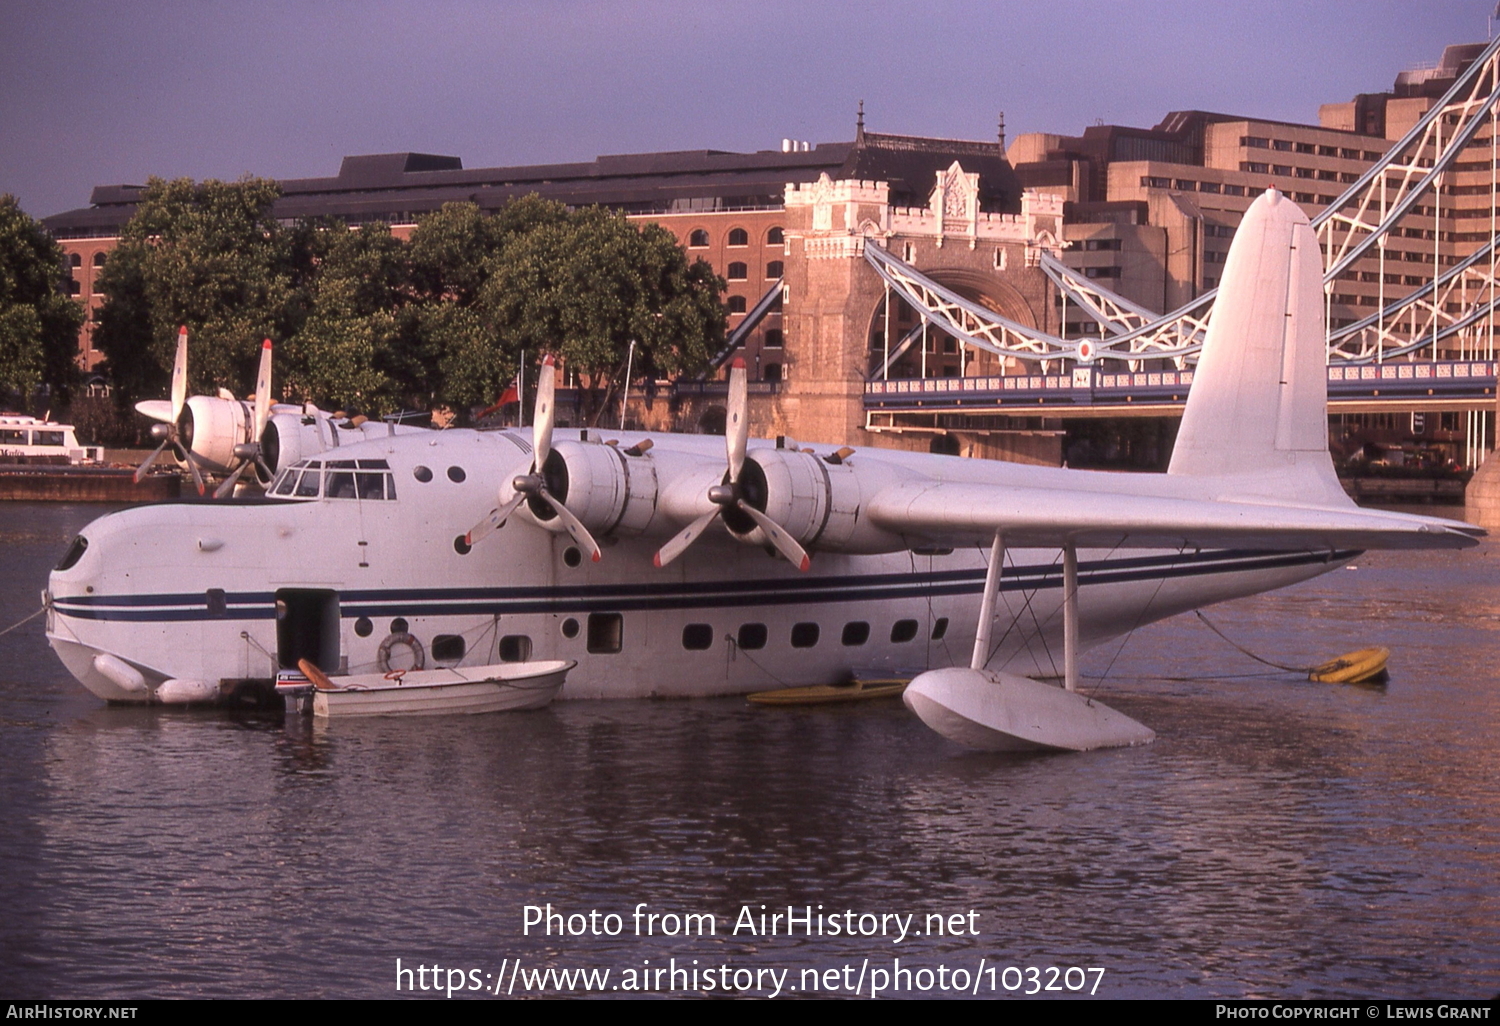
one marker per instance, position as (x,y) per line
(822,694)
(1365,666)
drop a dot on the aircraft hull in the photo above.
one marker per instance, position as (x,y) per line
(193,590)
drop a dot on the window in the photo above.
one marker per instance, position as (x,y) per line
(697,636)
(363,627)
(1254,167)
(218,604)
(1328,151)
(775,237)
(737,272)
(1349,154)
(752,636)
(804,635)
(772,372)
(1281,144)
(421,474)
(739,237)
(456,475)
(773,338)
(1234,190)
(74,260)
(1155,182)
(1209,187)
(698,239)
(1187,185)
(903,631)
(99,259)
(774,270)
(1255,141)
(940,628)
(1306,148)
(856,633)
(448,648)
(515,648)
(736,304)
(606,633)
(1281,169)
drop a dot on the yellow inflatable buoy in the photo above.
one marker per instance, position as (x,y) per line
(1366,666)
(823,694)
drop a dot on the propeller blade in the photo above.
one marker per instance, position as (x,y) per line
(190,458)
(541,428)
(680,541)
(179,375)
(263,390)
(574,527)
(140,472)
(795,554)
(229,482)
(497,516)
(737,424)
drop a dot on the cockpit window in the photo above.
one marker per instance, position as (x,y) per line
(312,478)
(343,479)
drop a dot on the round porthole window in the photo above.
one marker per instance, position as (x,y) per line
(570,628)
(572,556)
(461,545)
(363,627)
(421,474)
(456,474)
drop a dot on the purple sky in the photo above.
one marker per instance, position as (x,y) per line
(96,92)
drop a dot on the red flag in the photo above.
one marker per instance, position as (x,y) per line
(510,395)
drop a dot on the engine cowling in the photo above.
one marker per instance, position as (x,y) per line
(816,500)
(212,426)
(614,491)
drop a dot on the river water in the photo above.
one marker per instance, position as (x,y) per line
(1279,839)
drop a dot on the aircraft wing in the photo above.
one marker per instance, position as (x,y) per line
(964,513)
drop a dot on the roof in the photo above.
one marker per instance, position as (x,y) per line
(400,186)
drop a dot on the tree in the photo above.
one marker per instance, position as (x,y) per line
(347,346)
(39,323)
(209,256)
(587,287)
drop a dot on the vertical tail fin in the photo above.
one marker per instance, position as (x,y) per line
(1257,414)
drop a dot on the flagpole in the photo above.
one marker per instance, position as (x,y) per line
(521,392)
(625,392)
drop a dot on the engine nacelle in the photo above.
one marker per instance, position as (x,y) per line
(612,491)
(815,500)
(211,427)
(292,434)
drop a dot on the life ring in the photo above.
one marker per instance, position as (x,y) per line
(418,654)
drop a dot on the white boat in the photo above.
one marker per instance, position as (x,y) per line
(28,437)
(498,687)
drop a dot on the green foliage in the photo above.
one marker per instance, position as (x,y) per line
(209,256)
(341,353)
(371,323)
(585,288)
(38,322)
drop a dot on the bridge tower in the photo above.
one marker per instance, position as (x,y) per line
(845,327)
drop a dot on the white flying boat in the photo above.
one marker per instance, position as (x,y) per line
(667,566)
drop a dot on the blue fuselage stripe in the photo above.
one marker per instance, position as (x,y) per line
(630,597)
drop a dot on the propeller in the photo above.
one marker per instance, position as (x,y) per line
(729,496)
(532,485)
(249,453)
(170,431)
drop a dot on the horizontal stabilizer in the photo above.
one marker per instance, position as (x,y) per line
(156,409)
